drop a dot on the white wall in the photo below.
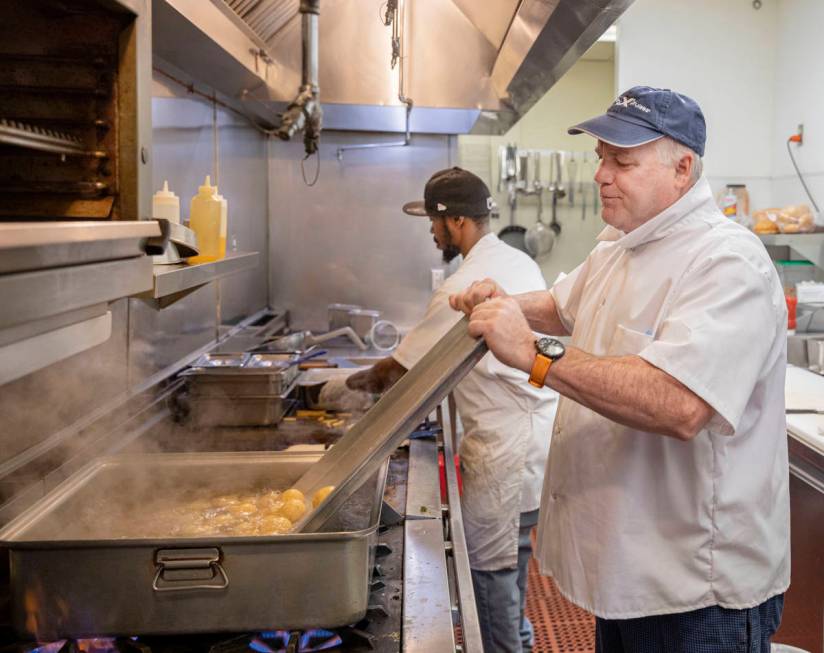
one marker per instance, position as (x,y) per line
(799,98)
(722,54)
(585,91)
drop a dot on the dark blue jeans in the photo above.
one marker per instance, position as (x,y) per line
(708,630)
(501,599)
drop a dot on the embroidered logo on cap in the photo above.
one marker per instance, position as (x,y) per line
(490,203)
(441,207)
(627,102)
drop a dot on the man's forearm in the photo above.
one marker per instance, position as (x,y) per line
(541,312)
(630,391)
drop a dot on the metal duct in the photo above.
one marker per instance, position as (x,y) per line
(304,113)
(470,66)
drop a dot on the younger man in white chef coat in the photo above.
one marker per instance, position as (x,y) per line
(507,422)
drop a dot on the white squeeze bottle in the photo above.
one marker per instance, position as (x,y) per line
(224,220)
(204,220)
(165,204)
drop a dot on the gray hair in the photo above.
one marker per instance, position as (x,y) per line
(670,152)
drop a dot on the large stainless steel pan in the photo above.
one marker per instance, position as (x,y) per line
(67,582)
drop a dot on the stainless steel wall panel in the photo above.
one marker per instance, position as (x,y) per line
(160,337)
(345,239)
(37,405)
(243,182)
(183,145)
(184,153)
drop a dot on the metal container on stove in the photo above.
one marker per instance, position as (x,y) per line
(338,315)
(69,581)
(253,375)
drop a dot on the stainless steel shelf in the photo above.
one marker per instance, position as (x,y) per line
(57,276)
(808,246)
(37,245)
(36,295)
(173,282)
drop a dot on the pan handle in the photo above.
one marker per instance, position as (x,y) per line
(189,569)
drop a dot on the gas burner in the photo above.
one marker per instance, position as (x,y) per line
(90,645)
(285,641)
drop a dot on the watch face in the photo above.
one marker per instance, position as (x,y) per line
(550,347)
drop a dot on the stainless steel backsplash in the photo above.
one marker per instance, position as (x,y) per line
(345,239)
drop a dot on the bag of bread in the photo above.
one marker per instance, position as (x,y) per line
(795,219)
(765,221)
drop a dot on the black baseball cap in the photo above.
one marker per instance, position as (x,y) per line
(453,192)
(644,114)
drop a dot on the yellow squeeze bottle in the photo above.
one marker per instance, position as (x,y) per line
(224,220)
(204,220)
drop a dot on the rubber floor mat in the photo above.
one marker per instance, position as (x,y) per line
(560,627)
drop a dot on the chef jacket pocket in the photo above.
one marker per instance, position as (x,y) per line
(626,342)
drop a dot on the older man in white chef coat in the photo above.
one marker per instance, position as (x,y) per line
(665,508)
(507,422)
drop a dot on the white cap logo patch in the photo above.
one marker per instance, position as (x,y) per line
(441,207)
(490,203)
(627,102)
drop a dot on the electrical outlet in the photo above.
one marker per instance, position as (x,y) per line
(437,278)
(800,133)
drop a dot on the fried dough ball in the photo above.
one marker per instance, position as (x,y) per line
(292,493)
(274,525)
(242,508)
(321,494)
(293,510)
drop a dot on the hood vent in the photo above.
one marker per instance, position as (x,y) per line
(469,65)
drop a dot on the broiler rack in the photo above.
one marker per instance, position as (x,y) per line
(46,140)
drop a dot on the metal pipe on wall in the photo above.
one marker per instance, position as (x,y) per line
(305,113)
(397,19)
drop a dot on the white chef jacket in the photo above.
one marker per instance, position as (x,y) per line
(636,524)
(507,422)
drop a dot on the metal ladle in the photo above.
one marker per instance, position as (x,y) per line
(539,237)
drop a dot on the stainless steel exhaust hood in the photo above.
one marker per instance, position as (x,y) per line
(468,65)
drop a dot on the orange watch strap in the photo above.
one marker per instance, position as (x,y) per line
(540,368)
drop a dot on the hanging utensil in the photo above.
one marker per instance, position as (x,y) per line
(539,237)
(557,191)
(560,158)
(523,171)
(502,167)
(513,235)
(537,184)
(572,177)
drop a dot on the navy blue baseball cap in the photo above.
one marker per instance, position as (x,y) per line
(644,114)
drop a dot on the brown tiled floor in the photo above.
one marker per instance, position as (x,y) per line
(560,627)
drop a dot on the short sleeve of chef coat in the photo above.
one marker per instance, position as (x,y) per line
(567,295)
(718,334)
(439,318)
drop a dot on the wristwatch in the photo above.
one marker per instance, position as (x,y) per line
(548,351)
